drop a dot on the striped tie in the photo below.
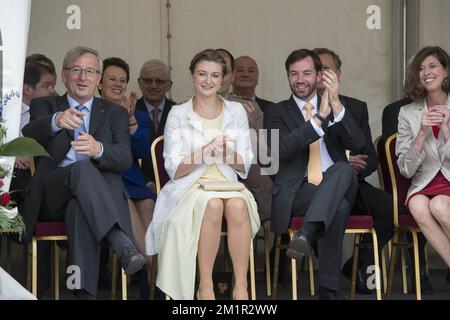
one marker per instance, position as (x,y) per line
(82,128)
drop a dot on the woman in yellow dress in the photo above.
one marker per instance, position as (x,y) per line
(205,139)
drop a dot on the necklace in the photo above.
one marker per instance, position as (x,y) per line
(216,114)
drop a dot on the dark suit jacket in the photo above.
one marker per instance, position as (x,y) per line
(108,124)
(295,137)
(390,117)
(147,166)
(360,114)
(262,103)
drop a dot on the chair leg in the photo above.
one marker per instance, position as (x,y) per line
(56,269)
(355,265)
(114,276)
(311,275)
(267,257)
(392,264)
(34,267)
(293,271)
(124,285)
(383,267)
(416,264)
(276,264)
(403,259)
(377,265)
(252,271)
(153,276)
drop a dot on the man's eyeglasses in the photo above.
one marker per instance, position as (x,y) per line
(156,81)
(76,71)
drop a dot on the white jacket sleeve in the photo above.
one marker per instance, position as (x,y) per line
(173,143)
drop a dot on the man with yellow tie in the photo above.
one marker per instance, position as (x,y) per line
(314,179)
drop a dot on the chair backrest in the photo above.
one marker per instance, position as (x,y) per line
(400,184)
(383,169)
(161,176)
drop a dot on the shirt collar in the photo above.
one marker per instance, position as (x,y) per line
(150,107)
(73,103)
(301,103)
(25,108)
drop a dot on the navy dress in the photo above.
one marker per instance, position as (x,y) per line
(133,179)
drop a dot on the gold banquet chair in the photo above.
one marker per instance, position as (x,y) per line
(404,223)
(161,178)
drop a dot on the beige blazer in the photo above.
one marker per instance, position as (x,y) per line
(183,135)
(435,154)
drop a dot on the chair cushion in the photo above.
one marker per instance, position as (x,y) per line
(51,228)
(360,222)
(407,220)
(353,222)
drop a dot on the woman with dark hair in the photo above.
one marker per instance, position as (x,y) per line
(423,146)
(113,86)
(206,139)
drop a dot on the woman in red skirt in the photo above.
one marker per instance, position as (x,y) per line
(423,146)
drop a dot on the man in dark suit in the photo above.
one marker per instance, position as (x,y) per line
(364,161)
(245,80)
(314,178)
(154,82)
(89,144)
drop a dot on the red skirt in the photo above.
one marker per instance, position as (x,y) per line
(438,186)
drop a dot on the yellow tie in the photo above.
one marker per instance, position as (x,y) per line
(314,164)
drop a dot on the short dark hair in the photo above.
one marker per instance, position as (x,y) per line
(229,55)
(413,87)
(208,55)
(43,60)
(336,60)
(117,62)
(301,54)
(34,72)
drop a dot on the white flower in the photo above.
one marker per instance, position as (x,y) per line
(10,213)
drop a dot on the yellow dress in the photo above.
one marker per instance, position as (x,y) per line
(181,232)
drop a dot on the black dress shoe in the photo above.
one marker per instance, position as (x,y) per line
(132,261)
(361,275)
(425,285)
(300,246)
(328,294)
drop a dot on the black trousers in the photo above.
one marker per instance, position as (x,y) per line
(329,203)
(379,204)
(79,195)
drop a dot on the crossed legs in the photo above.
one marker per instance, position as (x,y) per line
(433,218)
(239,235)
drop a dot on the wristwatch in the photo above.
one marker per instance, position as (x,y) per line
(318,116)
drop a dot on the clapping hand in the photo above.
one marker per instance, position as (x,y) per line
(331,82)
(434,117)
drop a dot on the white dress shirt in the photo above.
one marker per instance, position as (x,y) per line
(325,158)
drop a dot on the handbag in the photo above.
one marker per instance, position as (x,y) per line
(221,185)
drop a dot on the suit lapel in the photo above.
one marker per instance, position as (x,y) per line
(97,114)
(293,112)
(62,104)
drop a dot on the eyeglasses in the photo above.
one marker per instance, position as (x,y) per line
(156,81)
(76,71)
